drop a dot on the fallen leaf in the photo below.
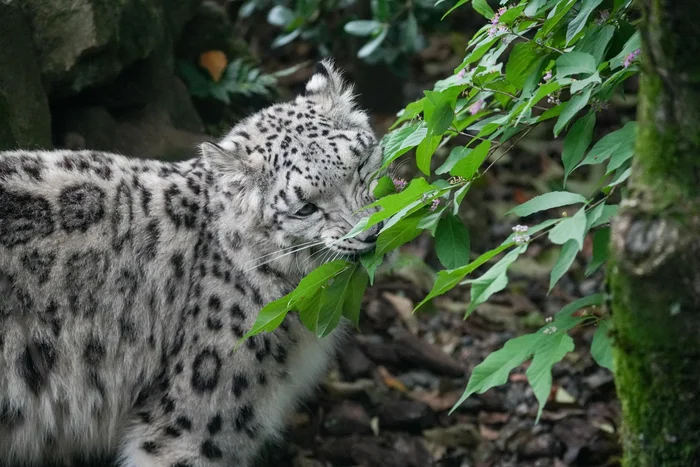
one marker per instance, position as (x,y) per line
(215,62)
(488,434)
(390,380)
(404,307)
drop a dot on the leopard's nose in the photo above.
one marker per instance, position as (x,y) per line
(372,238)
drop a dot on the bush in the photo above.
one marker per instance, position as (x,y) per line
(534,63)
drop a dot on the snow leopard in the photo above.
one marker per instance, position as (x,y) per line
(125,285)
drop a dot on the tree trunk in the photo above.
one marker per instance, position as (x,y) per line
(655,267)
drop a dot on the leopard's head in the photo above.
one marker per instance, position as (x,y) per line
(302,170)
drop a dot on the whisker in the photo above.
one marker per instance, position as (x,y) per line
(283,255)
(284,249)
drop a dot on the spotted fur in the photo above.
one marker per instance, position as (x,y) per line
(125,285)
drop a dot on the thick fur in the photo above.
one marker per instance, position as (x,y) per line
(125,285)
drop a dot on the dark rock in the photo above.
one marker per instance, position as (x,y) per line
(415,352)
(455,436)
(210,29)
(25,120)
(364,451)
(405,415)
(353,362)
(380,352)
(146,133)
(418,378)
(83,43)
(95,125)
(544,445)
(346,419)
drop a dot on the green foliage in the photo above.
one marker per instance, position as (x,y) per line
(566,60)
(394,31)
(239,78)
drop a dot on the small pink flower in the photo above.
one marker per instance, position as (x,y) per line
(462,73)
(399,184)
(547,76)
(434,205)
(477,106)
(631,58)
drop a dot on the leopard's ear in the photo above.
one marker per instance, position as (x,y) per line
(328,88)
(229,156)
(327,81)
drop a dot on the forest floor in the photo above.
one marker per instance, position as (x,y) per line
(386,401)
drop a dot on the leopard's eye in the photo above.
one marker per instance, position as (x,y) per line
(306,210)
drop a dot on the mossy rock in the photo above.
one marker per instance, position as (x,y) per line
(86,43)
(25,119)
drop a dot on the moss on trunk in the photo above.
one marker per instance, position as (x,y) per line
(655,269)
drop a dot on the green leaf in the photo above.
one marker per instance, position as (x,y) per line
(430,222)
(554,17)
(593,214)
(483,8)
(341,298)
(572,63)
(601,242)
(547,346)
(621,175)
(542,92)
(362,27)
(551,349)
(447,280)
(553,199)
(309,310)
(353,301)
(317,278)
(381,9)
(595,42)
(576,103)
(270,317)
(632,44)
(425,151)
(576,142)
(601,347)
(564,261)
(521,63)
(469,165)
(441,119)
(457,5)
(624,152)
(402,140)
(369,48)
(411,110)
(564,319)
(452,242)
(492,281)
(371,261)
(533,7)
(385,186)
(581,84)
(392,204)
(280,16)
(609,210)
(458,197)
(494,370)
(619,142)
(579,22)
(458,153)
(285,38)
(402,232)
(570,228)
